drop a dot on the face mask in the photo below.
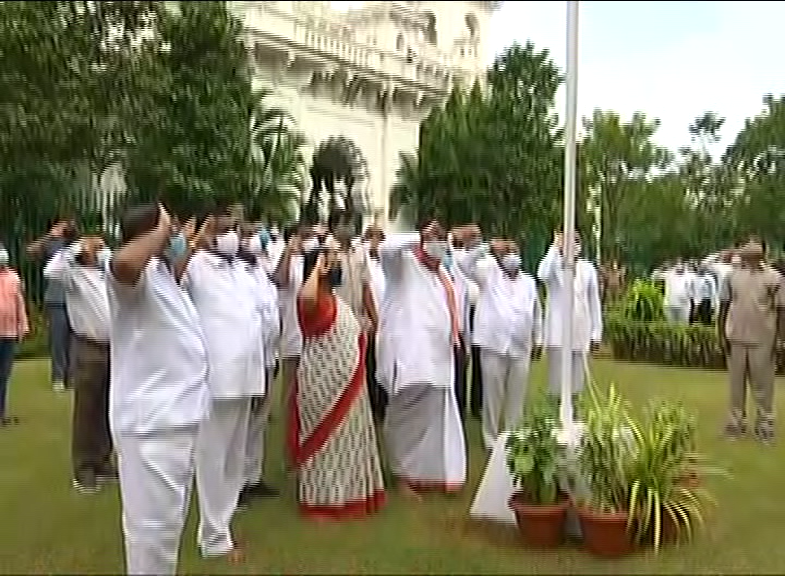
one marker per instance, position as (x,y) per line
(511,262)
(435,249)
(335,277)
(264,238)
(447,261)
(102,258)
(227,244)
(177,247)
(3,257)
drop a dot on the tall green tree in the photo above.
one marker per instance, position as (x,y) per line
(195,146)
(491,155)
(618,159)
(757,160)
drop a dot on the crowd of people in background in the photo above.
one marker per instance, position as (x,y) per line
(174,341)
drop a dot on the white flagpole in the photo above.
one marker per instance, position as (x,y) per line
(570,165)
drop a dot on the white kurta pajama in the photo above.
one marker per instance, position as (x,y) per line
(225,296)
(158,396)
(507,324)
(587,317)
(260,412)
(423,430)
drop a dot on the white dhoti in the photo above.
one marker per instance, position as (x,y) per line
(156,472)
(504,380)
(258,421)
(220,460)
(555,370)
(424,438)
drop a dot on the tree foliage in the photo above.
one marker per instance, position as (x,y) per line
(491,155)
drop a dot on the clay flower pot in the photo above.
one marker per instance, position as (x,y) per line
(605,533)
(540,525)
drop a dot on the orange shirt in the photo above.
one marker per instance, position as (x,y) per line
(13,317)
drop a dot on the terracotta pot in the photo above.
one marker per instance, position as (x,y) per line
(605,533)
(540,525)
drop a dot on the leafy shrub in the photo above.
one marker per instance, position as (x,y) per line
(694,345)
(643,302)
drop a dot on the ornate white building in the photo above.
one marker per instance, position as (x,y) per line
(365,77)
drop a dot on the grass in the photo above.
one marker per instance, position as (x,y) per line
(48,528)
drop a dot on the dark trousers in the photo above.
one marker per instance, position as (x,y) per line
(460,378)
(91,443)
(475,399)
(7,351)
(376,393)
(59,341)
(702,313)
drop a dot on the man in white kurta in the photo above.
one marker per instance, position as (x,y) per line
(255,450)
(288,277)
(587,314)
(678,293)
(224,295)
(158,393)
(508,330)
(417,340)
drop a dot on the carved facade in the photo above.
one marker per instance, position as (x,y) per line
(368,75)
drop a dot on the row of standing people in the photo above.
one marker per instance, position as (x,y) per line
(193,327)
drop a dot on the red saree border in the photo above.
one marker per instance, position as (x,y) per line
(300,453)
(432,485)
(354,509)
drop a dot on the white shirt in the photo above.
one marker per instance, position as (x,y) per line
(415,344)
(158,358)
(587,311)
(508,318)
(678,288)
(377,281)
(225,295)
(291,337)
(271,316)
(704,288)
(85,293)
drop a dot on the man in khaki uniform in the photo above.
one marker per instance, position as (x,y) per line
(750,324)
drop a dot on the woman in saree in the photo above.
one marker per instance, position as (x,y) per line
(331,434)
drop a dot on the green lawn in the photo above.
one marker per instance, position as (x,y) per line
(47,528)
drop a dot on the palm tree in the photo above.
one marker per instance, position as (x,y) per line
(277,175)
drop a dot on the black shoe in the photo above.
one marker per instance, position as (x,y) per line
(261,490)
(8,421)
(86,482)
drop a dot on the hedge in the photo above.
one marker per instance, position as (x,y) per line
(694,346)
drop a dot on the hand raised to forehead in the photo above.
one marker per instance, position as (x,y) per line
(189,228)
(164,220)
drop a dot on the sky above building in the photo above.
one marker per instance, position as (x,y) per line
(670,60)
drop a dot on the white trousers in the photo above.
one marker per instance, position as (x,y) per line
(678,314)
(554,370)
(504,380)
(156,473)
(220,459)
(258,422)
(424,436)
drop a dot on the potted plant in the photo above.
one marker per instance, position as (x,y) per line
(665,492)
(605,454)
(533,459)
(661,507)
